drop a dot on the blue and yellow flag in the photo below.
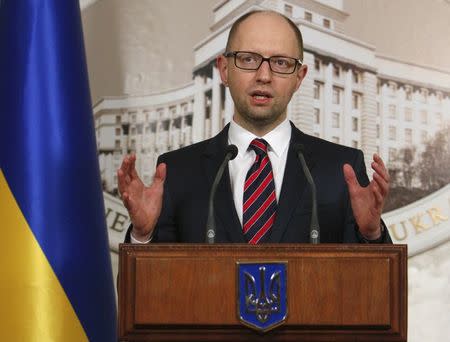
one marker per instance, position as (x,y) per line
(56,280)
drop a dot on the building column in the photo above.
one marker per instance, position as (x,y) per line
(327,101)
(215,102)
(229,106)
(369,118)
(346,129)
(301,108)
(198,117)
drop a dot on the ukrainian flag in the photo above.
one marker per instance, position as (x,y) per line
(56,281)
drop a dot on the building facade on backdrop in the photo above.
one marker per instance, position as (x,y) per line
(351,95)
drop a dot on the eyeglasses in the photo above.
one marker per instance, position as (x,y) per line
(252,61)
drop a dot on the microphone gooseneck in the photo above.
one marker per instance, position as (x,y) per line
(314,229)
(232,152)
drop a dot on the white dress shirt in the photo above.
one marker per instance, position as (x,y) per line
(278,143)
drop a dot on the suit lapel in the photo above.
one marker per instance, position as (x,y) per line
(293,188)
(225,211)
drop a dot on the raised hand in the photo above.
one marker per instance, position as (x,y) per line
(367,202)
(142,202)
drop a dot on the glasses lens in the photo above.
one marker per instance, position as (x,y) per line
(283,65)
(247,60)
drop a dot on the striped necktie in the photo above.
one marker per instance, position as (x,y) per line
(260,203)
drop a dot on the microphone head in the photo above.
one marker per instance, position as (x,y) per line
(232,150)
(298,148)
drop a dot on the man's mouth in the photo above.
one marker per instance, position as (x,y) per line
(261,95)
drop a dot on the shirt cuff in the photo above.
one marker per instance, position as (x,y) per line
(134,240)
(381,239)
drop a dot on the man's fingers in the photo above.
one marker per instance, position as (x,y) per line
(350,178)
(379,199)
(382,184)
(132,168)
(121,181)
(160,173)
(380,168)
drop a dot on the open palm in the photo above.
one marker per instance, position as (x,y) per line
(143,203)
(367,202)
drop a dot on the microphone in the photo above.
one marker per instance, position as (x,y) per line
(314,229)
(232,152)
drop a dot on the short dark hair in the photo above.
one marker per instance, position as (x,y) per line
(236,24)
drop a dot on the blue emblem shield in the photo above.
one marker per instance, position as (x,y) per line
(262,295)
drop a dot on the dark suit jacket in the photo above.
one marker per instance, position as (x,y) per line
(191,171)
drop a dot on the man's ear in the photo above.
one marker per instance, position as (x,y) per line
(222,65)
(301,73)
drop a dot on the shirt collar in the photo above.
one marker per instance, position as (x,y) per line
(278,138)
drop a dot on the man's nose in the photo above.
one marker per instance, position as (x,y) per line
(264,73)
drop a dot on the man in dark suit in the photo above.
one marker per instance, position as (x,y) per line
(262,66)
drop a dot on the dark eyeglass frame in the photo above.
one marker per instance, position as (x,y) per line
(298,62)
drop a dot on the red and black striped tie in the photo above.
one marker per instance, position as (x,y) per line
(260,203)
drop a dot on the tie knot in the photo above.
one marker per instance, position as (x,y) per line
(259,146)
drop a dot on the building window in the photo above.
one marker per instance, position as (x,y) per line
(408,114)
(117,144)
(335,120)
(423,117)
(173,110)
(392,112)
(336,71)
(335,140)
(355,100)
(177,123)
(165,125)
(288,10)
(392,133)
(354,143)
(438,118)
(317,90)
(392,154)
(147,129)
(308,16)
(188,120)
(153,127)
(139,128)
(133,130)
(354,124)
(133,118)
(355,76)
(423,136)
(336,95)
(118,131)
(133,144)
(316,116)
(378,131)
(408,135)
(118,119)
(326,23)
(317,64)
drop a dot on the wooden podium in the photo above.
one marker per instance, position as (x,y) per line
(188,292)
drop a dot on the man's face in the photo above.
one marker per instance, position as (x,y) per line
(261,97)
